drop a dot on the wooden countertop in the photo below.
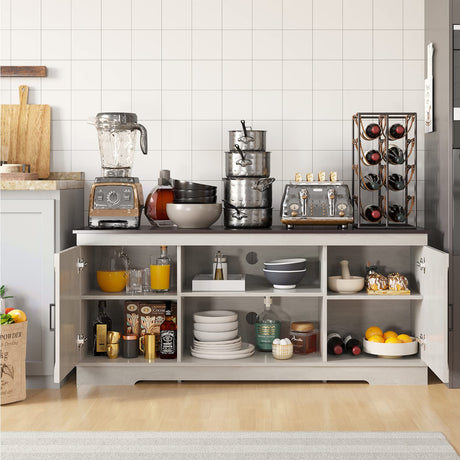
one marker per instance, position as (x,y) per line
(55,181)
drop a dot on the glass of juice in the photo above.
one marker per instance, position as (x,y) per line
(160,271)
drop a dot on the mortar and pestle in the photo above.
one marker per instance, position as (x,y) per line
(345,283)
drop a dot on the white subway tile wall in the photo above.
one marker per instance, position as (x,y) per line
(192,69)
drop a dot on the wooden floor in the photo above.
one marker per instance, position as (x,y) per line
(239,407)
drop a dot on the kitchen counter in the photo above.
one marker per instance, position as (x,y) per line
(55,181)
(219,235)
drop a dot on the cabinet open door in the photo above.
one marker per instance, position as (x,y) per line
(68,312)
(431,319)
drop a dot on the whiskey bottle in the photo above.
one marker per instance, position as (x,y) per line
(168,336)
(101,326)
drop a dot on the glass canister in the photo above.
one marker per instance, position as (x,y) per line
(304,337)
(111,273)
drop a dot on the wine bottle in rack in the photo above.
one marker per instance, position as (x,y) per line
(373,157)
(395,155)
(373,131)
(396,182)
(372,181)
(396,213)
(372,213)
(397,131)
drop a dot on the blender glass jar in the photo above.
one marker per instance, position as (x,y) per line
(117,138)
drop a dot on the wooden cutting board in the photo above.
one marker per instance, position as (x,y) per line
(25,134)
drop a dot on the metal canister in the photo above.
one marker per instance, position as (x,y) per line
(129,346)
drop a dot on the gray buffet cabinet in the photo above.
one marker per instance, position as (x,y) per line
(423,313)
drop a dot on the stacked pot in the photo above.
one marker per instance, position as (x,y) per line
(247,187)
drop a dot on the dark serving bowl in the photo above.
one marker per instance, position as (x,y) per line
(286,264)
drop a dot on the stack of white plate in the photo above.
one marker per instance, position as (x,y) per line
(216,336)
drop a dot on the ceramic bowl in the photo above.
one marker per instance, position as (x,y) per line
(194,215)
(216,327)
(284,279)
(215,336)
(345,286)
(286,264)
(215,316)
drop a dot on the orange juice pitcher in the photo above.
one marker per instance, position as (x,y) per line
(160,271)
(111,274)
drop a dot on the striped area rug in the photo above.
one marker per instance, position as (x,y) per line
(210,445)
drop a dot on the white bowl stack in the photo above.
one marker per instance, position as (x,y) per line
(216,336)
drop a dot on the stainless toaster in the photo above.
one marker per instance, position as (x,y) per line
(316,203)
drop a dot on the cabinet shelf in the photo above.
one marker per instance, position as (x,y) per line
(365,360)
(259,358)
(96,294)
(365,296)
(257,291)
(95,361)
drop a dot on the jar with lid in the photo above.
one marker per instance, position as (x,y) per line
(129,346)
(220,264)
(304,337)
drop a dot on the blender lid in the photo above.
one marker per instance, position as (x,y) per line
(116,117)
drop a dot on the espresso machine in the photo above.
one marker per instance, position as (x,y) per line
(116,198)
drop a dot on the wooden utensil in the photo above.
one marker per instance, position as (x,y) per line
(25,134)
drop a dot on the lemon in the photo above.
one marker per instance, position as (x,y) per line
(373,330)
(404,338)
(388,334)
(376,339)
(392,340)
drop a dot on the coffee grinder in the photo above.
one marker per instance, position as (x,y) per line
(116,198)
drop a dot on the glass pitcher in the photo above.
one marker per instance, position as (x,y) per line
(111,272)
(117,138)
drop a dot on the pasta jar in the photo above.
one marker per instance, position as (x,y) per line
(304,337)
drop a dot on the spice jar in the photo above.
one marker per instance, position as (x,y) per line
(129,346)
(304,337)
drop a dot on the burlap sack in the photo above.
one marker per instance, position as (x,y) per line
(13,362)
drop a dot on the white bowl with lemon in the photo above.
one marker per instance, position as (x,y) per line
(389,344)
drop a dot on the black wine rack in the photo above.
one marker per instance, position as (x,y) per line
(390,183)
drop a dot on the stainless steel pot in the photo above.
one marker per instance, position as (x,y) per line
(242,163)
(248,192)
(247,217)
(247,139)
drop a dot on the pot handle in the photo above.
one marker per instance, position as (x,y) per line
(143,137)
(243,162)
(245,131)
(238,214)
(263,184)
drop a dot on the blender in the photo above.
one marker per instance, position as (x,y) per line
(116,198)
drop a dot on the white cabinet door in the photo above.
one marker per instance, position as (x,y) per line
(68,312)
(431,320)
(26,269)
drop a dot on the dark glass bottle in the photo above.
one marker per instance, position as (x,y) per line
(168,336)
(373,157)
(396,213)
(395,155)
(352,345)
(373,131)
(101,326)
(334,344)
(372,181)
(372,213)
(158,198)
(397,131)
(396,182)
